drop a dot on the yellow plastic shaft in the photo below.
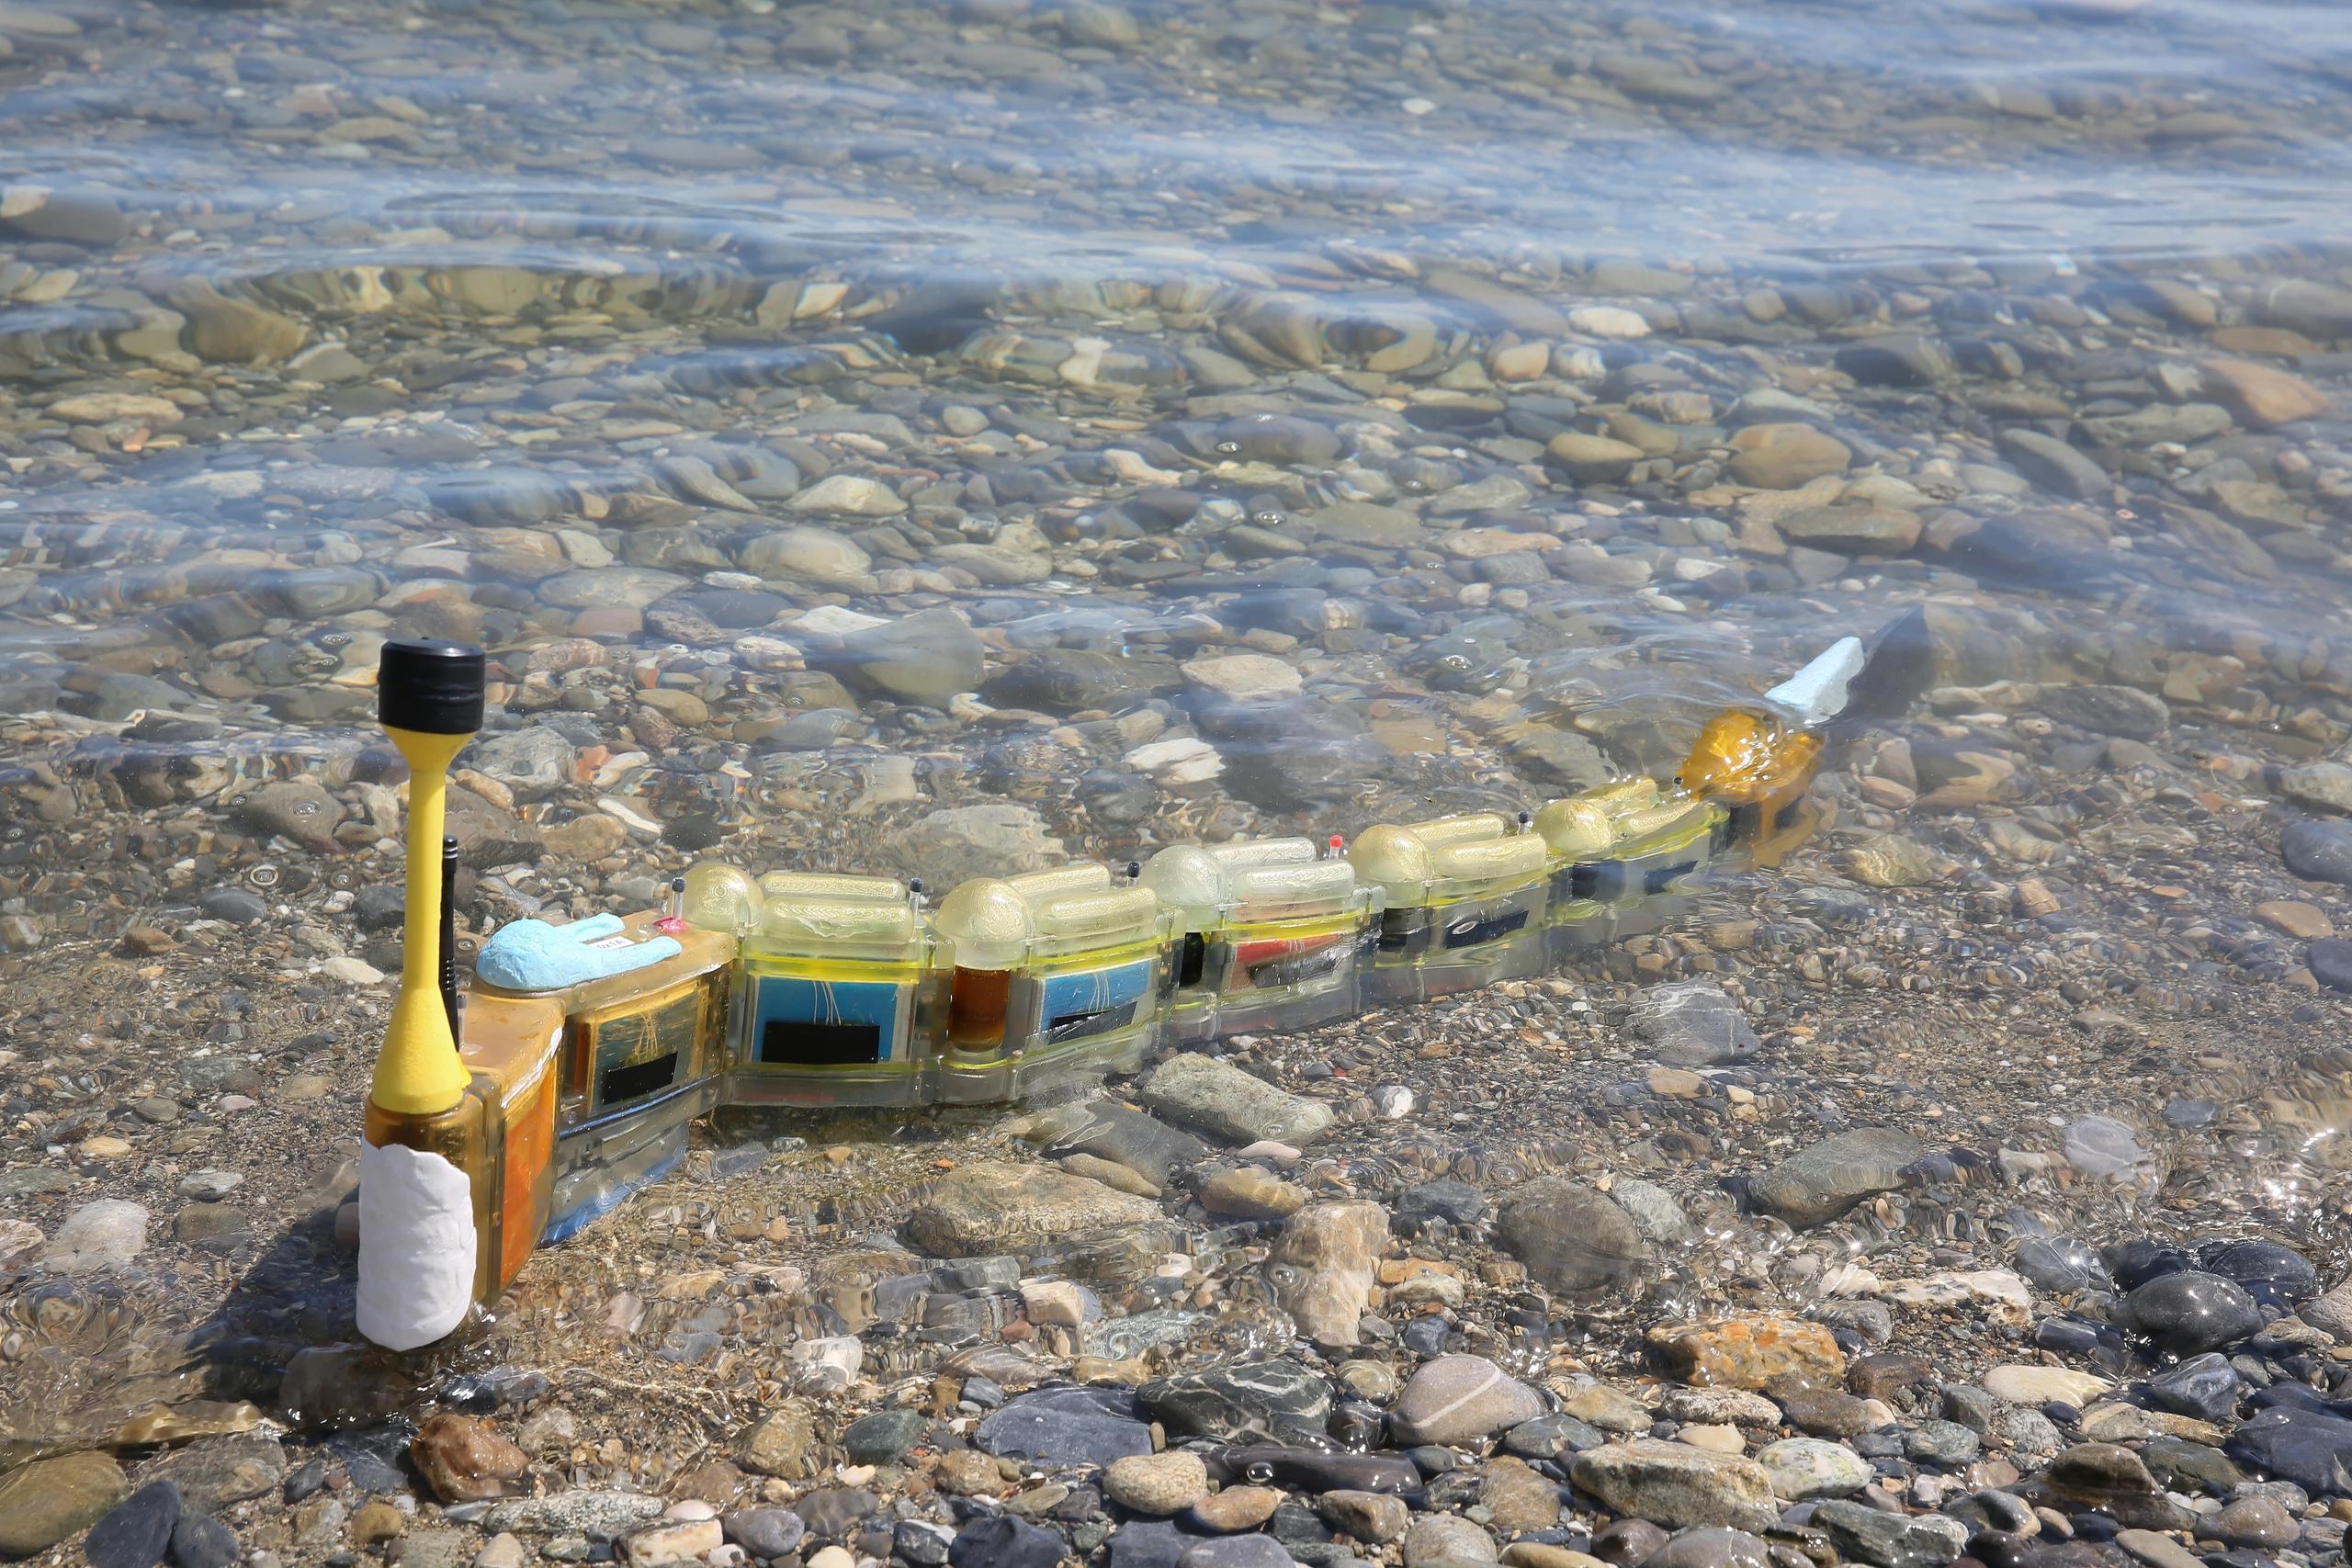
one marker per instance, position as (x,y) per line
(418,1072)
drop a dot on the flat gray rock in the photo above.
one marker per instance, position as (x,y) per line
(1815,1185)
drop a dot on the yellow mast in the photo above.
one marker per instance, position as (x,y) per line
(429,695)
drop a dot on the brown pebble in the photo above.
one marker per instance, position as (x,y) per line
(376,1522)
(464,1460)
(2293,916)
(1235,1509)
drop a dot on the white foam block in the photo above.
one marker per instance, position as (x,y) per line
(416,1245)
(1817,692)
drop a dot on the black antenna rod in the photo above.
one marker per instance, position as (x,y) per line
(449,931)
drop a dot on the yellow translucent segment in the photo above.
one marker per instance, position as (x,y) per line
(1084,878)
(1397,856)
(1107,916)
(988,921)
(1457,829)
(1522,855)
(838,921)
(1189,880)
(828,884)
(721,898)
(1578,827)
(1625,794)
(1312,883)
(1241,854)
(1665,824)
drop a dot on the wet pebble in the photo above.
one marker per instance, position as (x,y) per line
(1460,1399)
(2191,1312)
(2319,850)
(135,1534)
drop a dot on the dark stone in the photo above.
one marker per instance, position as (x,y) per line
(1711,1547)
(1065,1426)
(829,1513)
(2318,849)
(1628,1543)
(2312,1449)
(2067,1335)
(495,496)
(1426,1335)
(305,1482)
(925,1545)
(1236,1552)
(1148,1543)
(1276,438)
(1994,1511)
(2061,1265)
(370,1473)
(2204,1386)
(2187,1313)
(1896,359)
(1117,798)
(2054,466)
(1822,1412)
(1863,1534)
(1571,1237)
(238,906)
(884,1437)
(1063,680)
(1005,1542)
(2331,962)
(1816,1184)
(734,609)
(2134,1263)
(1944,1443)
(2272,1274)
(213,1472)
(2111,1480)
(1294,755)
(765,1532)
(199,1540)
(1297,1526)
(1456,1203)
(134,1534)
(1972,1406)
(1125,1136)
(2180,1465)
(1240,1402)
(1890,1375)
(1304,1470)
(1549,1436)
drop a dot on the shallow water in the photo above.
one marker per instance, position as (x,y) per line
(679,354)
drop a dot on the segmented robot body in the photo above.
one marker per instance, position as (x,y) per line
(815,989)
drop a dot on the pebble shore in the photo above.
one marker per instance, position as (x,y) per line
(947,440)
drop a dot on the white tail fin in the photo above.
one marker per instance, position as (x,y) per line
(1816,693)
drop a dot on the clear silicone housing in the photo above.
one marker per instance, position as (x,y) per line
(837,997)
(1058,975)
(1268,936)
(1465,904)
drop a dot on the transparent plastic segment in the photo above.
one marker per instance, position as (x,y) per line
(1273,892)
(876,920)
(721,898)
